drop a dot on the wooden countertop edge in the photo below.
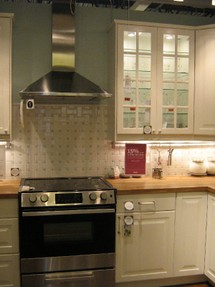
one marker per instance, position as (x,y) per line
(9,188)
(167,190)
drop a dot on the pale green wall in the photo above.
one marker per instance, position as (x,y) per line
(32,39)
(31,43)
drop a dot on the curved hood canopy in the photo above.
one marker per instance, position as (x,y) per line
(62,86)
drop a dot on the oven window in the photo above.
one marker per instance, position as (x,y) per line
(68,232)
(42,236)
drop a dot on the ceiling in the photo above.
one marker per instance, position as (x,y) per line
(202,8)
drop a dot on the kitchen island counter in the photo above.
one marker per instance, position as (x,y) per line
(164,185)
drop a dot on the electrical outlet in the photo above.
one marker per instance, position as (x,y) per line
(30,104)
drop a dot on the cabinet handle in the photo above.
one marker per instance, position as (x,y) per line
(147,203)
(118,225)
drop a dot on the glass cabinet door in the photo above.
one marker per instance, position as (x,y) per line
(176,81)
(155,79)
(135,84)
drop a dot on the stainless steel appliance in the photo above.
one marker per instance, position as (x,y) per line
(67,232)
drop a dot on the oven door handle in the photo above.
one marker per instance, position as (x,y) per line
(67,212)
(59,277)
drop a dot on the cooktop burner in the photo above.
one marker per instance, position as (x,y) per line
(65,184)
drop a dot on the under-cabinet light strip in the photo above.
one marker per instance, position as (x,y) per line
(167,143)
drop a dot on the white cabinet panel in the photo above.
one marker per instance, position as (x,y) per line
(9,235)
(5,74)
(144,237)
(9,243)
(210,241)
(204,82)
(9,270)
(147,252)
(190,226)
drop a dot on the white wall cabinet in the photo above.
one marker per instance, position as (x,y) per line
(210,246)
(9,243)
(5,74)
(154,79)
(145,237)
(204,82)
(190,229)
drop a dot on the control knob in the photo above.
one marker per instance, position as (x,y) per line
(32,198)
(44,197)
(103,195)
(93,196)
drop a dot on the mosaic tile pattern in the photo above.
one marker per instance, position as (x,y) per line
(71,140)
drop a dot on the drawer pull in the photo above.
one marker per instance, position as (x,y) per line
(148,205)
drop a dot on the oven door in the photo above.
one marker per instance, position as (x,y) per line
(60,232)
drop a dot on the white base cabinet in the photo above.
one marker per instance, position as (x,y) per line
(9,266)
(9,243)
(210,241)
(164,236)
(144,247)
(190,229)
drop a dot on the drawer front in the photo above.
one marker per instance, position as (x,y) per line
(9,241)
(8,207)
(146,202)
(9,271)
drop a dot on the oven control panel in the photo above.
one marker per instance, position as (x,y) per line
(46,199)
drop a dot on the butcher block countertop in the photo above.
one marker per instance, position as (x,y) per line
(9,188)
(164,185)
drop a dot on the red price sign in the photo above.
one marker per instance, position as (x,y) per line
(135,159)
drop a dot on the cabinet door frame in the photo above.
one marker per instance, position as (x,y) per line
(175,32)
(127,252)
(204,81)
(190,233)
(120,28)
(210,237)
(5,75)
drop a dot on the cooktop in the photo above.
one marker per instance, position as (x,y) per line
(64,184)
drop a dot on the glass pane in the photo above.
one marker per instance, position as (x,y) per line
(183,45)
(129,117)
(129,41)
(144,67)
(144,115)
(183,69)
(144,93)
(182,94)
(144,42)
(129,62)
(168,94)
(168,118)
(169,44)
(182,118)
(168,68)
(129,90)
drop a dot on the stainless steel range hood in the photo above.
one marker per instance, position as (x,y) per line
(63,84)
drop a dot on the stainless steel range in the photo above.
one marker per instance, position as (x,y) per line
(67,232)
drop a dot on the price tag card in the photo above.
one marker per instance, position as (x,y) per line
(135,159)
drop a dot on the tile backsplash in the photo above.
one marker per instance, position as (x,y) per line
(71,140)
(2,162)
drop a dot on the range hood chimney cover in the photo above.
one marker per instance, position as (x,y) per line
(63,83)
